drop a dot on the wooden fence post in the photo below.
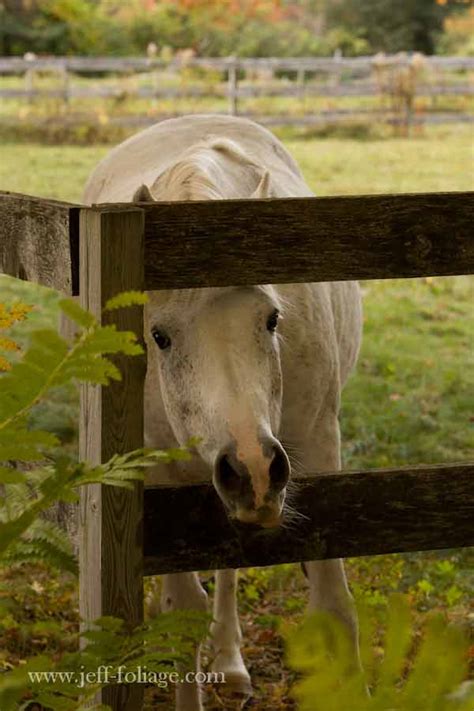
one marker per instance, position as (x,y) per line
(29,85)
(65,83)
(232,86)
(337,68)
(111,518)
(300,83)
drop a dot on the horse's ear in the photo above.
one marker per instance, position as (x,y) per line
(264,189)
(143,194)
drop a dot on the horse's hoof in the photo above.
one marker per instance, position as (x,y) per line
(232,674)
(235,692)
(236,683)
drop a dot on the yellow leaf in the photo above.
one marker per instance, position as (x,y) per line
(17,312)
(4,364)
(6,344)
(37,587)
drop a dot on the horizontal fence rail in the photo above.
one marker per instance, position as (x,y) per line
(239,242)
(222,91)
(368,117)
(39,241)
(311,119)
(340,515)
(13,65)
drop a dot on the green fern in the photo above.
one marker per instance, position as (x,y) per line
(43,543)
(167,640)
(409,677)
(126,298)
(51,474)
(76,313)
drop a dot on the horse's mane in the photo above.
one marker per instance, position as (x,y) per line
(212,169)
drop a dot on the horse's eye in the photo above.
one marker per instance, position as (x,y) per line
(161,339)
(272,321)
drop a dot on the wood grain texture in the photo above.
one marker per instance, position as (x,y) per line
(36,238)
(217,244)
(111,519)
(234,242)
(345,514)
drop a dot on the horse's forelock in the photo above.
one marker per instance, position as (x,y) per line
(207,171)
(189,179)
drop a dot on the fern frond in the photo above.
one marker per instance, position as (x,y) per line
(96,370)
(9,475)
(25,445)
(29,379)
(76,313)
(43,542)
(321,649)
(125,299)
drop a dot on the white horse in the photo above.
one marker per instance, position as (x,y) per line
(256,373)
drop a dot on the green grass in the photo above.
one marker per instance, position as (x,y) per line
(48,171)
(411,398)
(436,161)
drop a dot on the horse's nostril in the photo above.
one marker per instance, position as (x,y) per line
(228,478)
(279,470)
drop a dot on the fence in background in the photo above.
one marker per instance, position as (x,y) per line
(397,81)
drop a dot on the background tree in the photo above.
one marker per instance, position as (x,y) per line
(223,27)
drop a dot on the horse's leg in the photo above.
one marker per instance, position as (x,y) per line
(226,635)
(183,591)
(328,589)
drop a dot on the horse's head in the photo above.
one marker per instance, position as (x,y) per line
(218,356)
(219,350)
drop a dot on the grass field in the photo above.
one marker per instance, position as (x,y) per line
(410,400)
(440,159)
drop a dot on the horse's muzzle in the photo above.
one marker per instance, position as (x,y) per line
(253,494)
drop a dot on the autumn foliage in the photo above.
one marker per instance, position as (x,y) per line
(9,316)
(224,27)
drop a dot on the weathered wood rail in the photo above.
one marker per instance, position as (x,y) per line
(106,64)
(221,90)
(342,515)
(105,249)
(331,238)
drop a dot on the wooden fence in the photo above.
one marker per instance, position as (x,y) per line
(396,79)
(105,249)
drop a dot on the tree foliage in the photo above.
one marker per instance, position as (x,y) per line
(458,34)
(222,27)
(392,26)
